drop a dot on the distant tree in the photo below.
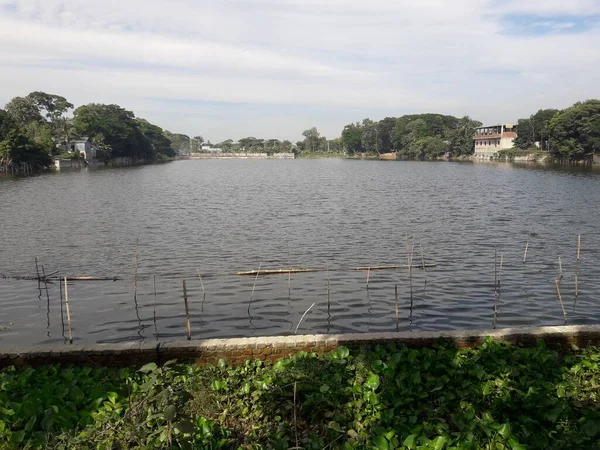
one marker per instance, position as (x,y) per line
(431,146)
(525,134)
(118,127)
(575,132)
(160,144)
(461,139)
(386,127)
(181,143)
(352,138)
(311,139)
(23,111)
(370,140)
(541,120)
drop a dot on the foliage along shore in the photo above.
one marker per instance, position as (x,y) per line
(494,397)
(38,127)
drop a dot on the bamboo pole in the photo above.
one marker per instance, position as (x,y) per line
(201,282)
(254,285)
(560,267)
(135,270)
(576,285)
(328,294)
(301,318)
(276,271)
(68,311)
(397,308)
(154,309)
(578,246)
(390,267)
(187,312)
(526,248)
(557,283)
(423,262)
(368,275)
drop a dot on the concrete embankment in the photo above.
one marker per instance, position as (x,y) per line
(276,347)
(240,156)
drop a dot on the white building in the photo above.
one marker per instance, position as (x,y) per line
(491,139)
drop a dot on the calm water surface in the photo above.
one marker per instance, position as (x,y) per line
(221,217)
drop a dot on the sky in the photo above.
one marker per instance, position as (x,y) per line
(273,68)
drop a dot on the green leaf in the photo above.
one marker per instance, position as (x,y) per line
(591,427)
(324,388)
(150,367)
(170,412)
(335,426)
(186,427)
(409,442)
(381,442)
(514,445)
(372,382)
(342,352)
(112,397)
(504,430)
(438,443)
(18,437)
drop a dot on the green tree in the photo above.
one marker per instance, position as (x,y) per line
(179,142)
(431,146)
(575,132)
(370,140)
(541,120)
(120,131)
(160,144)
(352,138)
(525,134)
(23,111)
(386,128)
(461,139)
(311,139)
(16,147)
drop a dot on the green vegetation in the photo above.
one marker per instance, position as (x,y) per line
(412,136)
(36,127)
(495,397)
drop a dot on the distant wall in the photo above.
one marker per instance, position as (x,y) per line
(273,348)
(241,156)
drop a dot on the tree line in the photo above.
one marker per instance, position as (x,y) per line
(39,126)
(569,134)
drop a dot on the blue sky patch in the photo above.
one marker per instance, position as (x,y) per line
(535,25)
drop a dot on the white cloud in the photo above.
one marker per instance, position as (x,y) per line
(308,62)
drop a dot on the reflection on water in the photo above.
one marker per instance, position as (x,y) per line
(215,218)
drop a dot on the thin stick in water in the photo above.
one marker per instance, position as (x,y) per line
(37,269)
(68,311)
(154,310)
(560,267)
(397,308)
(301,318)
(423,262)
(557,283)
(576,285)
(328,293)
(201,282)
(526,248)
(255,280)
(369,273)
(578,246)
(187,312)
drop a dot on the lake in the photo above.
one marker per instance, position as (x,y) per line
(219,217)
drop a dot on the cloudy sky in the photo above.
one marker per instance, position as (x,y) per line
(272,68)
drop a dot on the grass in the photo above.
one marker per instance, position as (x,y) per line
(495,397)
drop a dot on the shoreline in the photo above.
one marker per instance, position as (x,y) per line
(272,348)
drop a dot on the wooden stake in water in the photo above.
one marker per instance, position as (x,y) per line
(560,267)
(187,312)
(154,310)
(397,308)
(68,311)
(423,262)
(526,248)
(578,246)
(255,280)
(368,274)
(201,282)
(576,285)
(557,283)
(301,318)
